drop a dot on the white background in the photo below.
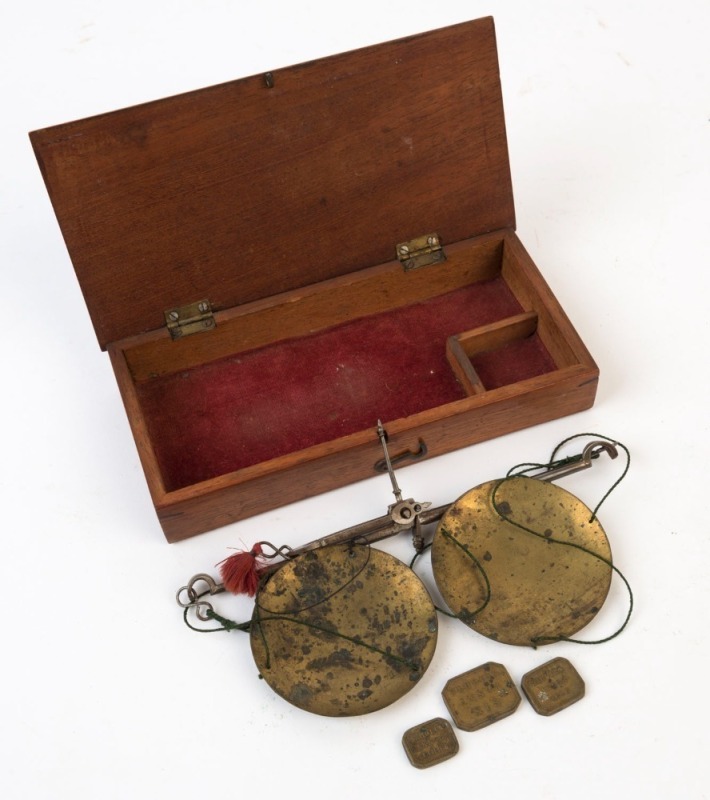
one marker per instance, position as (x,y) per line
(103,692)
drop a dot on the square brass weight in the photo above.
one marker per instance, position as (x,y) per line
(481,696)
(430,743)
(553,686)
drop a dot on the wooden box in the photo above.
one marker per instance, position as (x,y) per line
(275,263)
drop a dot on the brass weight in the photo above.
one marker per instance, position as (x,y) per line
(343,630)
(540,588)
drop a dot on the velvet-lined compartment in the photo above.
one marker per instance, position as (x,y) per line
(515,361)
(235,412)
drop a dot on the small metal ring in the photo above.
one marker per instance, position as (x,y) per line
(203,610)
(192,596)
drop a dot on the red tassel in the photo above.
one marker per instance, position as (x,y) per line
(240,572)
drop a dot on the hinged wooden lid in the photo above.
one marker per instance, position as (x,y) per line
(268,183)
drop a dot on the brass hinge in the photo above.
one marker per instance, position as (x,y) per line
(421,252)
(186,320)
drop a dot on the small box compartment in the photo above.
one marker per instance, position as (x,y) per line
(495,355)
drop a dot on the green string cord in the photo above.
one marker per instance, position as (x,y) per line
(258,621)
(519,471)
(353,639)
(606,439)
(226,624)
(262,634)
(471,615)
(516,471)
(529,466)
(230,625)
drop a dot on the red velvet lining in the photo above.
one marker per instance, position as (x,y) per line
(246,409)
(516,361)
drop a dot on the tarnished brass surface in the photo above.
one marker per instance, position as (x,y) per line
(540,590)
(189,319)
(481,696)
(343,630)
(430,743)
(553,686)
(421,252)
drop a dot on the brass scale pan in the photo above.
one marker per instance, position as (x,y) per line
(342,629)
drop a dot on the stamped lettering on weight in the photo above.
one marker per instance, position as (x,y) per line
(430,743)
